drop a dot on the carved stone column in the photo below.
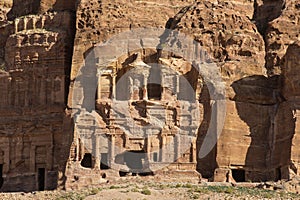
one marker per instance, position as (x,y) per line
(112,151)
(6,159)
(194,151)
(114,91)
(43,22)
(82,152)
(177,146)
(130,88)
(145,92)
(99,87)
(97,153)
(34,23)
(49,158)
(50,150)
(16,25)
(163,147)
(25,23)
(32,158)
(77,144)
(148,147)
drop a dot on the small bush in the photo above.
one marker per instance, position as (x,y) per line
(202,190)
(229,190)
(134,190)
(146,192)
(268,195)
(162,187)
(94,191)
(188,185)
(114,187)
(195,196)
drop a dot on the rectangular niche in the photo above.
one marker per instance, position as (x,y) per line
(105,87)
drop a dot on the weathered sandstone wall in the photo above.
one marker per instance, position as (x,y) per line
(46,60)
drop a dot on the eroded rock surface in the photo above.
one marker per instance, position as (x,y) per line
(35,129)
(280,33)
(82,102)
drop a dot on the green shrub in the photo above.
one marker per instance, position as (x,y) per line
(134,190)
(114,187)
(146,192)
(94,191)
(188,185)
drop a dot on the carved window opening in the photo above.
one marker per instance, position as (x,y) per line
(155,157)
(87,160)
(105,89)
(104,161)
(238,175)
(278,174)
(154,91)
(134,159)
(122,173)
(41,179)
(154,87)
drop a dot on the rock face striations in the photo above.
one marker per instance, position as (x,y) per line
(36,132)
(92,90)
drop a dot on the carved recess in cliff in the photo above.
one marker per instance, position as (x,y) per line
(142,109)
(97,21)
(35,130)
(260,136)
(229,36)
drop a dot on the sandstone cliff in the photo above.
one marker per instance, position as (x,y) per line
(142,118)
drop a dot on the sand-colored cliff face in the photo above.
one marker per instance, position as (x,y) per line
(5,6)
(253,143)
(150,122)
(280,33)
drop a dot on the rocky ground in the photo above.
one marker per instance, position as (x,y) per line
(148,188)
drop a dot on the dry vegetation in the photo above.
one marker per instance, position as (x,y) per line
(151,190)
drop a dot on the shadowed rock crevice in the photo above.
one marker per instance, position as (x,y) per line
(264,112)
(207,165)
(266,11)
